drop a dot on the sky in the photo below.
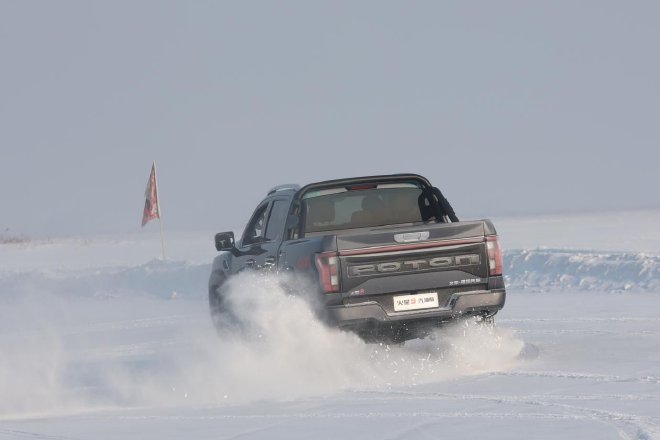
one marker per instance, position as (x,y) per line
(510,107)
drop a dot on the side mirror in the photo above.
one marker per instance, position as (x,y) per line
(224,241)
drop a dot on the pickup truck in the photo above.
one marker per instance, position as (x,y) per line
(387,255)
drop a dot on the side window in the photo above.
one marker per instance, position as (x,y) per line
(278,215)
(293,233)
(254,232)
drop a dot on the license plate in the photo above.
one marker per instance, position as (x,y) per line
(415,302)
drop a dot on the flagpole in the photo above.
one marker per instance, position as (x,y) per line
(160,215)
(162,240)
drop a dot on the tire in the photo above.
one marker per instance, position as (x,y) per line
(215,295)
(217,307)
(487,320)
(224,320)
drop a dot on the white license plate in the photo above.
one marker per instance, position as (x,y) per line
(415,302)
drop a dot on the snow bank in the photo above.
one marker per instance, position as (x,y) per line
(547,269)
(533,270)
(155,278)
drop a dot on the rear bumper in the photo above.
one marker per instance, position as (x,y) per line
(370,313)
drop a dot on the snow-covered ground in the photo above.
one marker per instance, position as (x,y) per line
(100,340)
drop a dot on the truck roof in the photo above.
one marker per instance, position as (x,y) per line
(284,187)
(423,181)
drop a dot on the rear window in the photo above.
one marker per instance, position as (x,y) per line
(342,208)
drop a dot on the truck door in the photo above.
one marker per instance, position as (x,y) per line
(279,210)
(262,236)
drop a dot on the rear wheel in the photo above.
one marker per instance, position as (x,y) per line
(221,315)
(487,320)
(215,294)
(396,334)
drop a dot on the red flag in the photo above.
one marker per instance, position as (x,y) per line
(151,207)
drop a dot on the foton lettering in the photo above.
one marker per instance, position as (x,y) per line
(413,265)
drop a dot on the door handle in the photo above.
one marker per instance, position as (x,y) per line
(270,261)
(250,263)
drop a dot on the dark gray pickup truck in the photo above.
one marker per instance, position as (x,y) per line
(387,255)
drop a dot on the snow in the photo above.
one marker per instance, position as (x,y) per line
(551,269)
(100,339)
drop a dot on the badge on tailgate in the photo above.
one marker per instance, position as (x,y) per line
(410,237)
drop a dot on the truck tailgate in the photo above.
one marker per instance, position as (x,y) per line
(379,264)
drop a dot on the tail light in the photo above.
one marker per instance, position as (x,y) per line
(494,255)
(328,265)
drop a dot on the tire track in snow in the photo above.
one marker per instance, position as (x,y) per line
(645,427)
(395,395)
(645,430)
(581,319)
(577,376)
(33,435)
(585,332)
